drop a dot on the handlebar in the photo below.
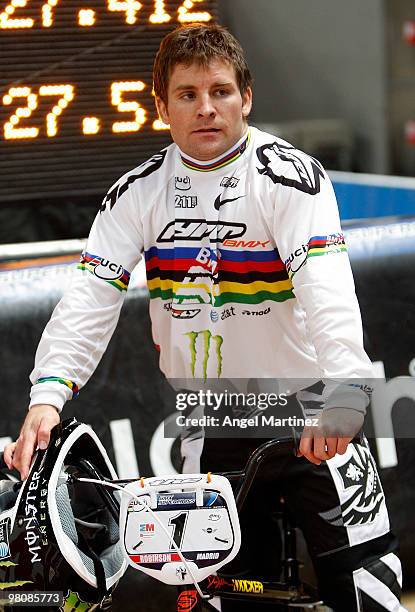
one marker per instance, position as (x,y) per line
(277,447)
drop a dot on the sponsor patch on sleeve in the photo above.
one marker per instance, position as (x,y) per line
(109,271)
(316,246)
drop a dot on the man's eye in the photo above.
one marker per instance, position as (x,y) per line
(222,92)
(188,96)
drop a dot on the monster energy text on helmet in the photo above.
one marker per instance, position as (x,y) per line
(55,536)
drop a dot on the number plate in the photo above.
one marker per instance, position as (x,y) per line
(203,525)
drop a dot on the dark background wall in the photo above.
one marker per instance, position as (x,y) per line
(320,59)
(401,85)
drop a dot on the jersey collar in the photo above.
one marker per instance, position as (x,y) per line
(220,162)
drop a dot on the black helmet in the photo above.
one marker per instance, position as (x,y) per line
(60,535)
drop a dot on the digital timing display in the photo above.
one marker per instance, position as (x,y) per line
(76,103)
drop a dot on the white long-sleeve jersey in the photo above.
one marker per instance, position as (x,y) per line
(247,271)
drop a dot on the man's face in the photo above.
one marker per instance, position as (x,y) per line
(205,109)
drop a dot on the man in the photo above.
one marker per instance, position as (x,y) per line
(249,278)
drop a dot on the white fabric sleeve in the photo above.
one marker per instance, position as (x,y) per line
(311,244)
(83,322)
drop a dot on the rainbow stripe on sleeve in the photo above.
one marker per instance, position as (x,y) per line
(63,381)
(324,245)
(245,277)
(315,247)
(94,263)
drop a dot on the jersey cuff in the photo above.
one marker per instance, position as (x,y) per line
(53,393)
(347,397)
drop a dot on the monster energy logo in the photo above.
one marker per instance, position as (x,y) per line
(15,583)
(73,603)
(207,337)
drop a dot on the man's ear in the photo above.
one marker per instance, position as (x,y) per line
(162,110)
(246,102)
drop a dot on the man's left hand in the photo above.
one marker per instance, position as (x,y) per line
(336,429)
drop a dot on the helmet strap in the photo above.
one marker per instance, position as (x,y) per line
(98,567)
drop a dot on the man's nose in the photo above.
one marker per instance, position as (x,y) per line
(206,106)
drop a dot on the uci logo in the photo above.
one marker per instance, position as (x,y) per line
(297,259)
(108,270)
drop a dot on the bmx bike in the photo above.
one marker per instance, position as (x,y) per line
(176,497)
(183,529)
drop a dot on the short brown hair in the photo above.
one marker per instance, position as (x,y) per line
(198,43)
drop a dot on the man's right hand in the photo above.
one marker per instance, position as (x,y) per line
(35,432)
